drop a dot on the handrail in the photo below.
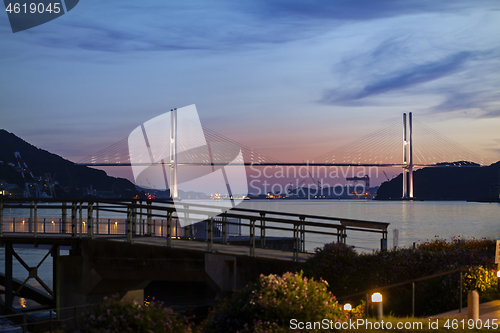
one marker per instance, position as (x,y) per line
(424,278)
(346,221)
(136,209)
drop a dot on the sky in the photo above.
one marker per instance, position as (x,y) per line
(291,79)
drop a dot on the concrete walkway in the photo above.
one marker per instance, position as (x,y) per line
(220,248)
(489,310)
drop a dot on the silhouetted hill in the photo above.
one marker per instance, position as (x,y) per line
(69,175)
(463,182)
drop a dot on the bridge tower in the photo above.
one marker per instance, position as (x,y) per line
(407,157)
(173,154)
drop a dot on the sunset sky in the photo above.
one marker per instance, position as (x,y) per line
(292,79)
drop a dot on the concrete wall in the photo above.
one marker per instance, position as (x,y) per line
(102,268)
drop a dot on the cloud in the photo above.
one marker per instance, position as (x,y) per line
(225,25)
(402,79)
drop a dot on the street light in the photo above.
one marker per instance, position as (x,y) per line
(347,307)
(377,298)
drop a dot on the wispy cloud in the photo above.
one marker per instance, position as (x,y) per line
(225,25)
(402,79)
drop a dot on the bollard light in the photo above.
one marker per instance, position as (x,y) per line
(498,280)
(347,307)
(377,298)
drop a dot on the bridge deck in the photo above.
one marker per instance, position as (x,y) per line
(230,249)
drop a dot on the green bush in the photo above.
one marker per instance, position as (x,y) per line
(115,315)
(270,304)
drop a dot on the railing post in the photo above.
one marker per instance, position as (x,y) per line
(413,299)
(210,239)
(64,217)
(262,230)
(141,222)
(186,215)
(35,218)
(25,323)
(109,226)
(460,308)
(97,218)
(302,241)
(149,213)
(90,219)
(367,308)
(1,217)
(134,217)
(44,225)
(129,224)
(252,238)
(224,228)
(383,241)
(169,229)
(73,219)
(295,241)
(81,218)
(30,222)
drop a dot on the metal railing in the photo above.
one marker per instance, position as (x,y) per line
(366,293)
(47,320)
(141,219)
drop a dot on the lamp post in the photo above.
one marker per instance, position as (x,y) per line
(377,299)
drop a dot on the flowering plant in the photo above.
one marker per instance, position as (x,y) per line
(481,279)
(115,315)
(273,301)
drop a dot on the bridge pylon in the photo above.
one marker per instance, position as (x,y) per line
(407,157)
(173,154)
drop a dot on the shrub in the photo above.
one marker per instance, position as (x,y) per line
(349,272)
(483,280)
(270,304)
(115,315)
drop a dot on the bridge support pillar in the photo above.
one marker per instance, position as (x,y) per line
(1,218)
(56,281)
(221,272)
(407,158)
(9,293)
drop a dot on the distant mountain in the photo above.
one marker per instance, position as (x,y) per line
(450,181)
(73,179)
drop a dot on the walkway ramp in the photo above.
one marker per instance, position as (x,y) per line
(488,310)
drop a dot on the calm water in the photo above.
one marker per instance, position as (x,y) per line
(415,221)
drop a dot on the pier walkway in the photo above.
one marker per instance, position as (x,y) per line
(154,241)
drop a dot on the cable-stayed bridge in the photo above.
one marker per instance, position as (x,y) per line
(410,146)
